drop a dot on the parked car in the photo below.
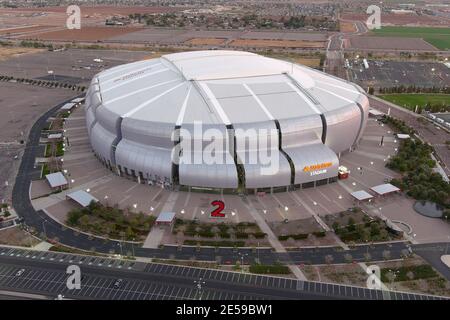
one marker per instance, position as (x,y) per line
(20,272)
(118,283)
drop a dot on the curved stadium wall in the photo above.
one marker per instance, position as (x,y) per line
(137,115)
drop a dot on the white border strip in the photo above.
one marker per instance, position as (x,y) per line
(223,116)
(336,95)
(138,77)
(263,107)
(304,97)
(146,103)
(128,68)
(140,90)
(336,86)
(183,108)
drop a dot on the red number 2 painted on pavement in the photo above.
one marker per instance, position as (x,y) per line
(218,211)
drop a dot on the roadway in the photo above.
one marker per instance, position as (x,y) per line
(45,275)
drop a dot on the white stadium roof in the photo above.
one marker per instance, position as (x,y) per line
(132,111)
(215,86)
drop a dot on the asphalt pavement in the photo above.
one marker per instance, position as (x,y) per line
(44,273)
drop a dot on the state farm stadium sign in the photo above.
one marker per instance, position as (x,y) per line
(317,169)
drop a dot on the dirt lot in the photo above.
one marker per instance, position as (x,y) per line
(9,52)
(76,63)
(8,31)
(349,274)
(83,34)
(345,26)
(19,113)
(277,43)
(205,41)
(17,237)
(310,62)
(101,10)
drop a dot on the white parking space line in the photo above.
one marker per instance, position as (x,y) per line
(56,282)
(88,288)
(37,280)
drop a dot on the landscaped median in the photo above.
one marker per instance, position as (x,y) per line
(354,226)
(219,234)
(269,269)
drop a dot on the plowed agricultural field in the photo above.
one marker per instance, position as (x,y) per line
(83,34)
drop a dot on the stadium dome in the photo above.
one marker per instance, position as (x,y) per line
(138,114)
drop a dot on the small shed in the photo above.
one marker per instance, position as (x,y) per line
(165,218)
(56,180)
(403,136)
(78,100)
(68,106)
(82,197)
(375,114)
(384,189)
(55,136)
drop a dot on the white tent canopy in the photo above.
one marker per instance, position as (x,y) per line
(68,106)
(55,136)
(386,188)
(165,217)
(56,179)
(375,113)
(82,197)
(77,100)
(361,195)
(403,136)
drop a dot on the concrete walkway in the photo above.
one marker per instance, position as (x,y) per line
(446,259)
(311,211)
(155,236)
(273,240)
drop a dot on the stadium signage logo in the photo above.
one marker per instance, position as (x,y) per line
(317,167)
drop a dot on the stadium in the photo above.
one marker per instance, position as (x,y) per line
(143,120)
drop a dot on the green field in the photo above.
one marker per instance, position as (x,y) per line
(438,37)
(411,100)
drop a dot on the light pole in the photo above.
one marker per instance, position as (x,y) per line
(199,286)
(43,227)
(258,252)
(119,243)
(446,248)
(242,255)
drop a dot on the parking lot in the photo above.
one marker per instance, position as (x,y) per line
(149,281)
(396,73)
(19,112)
(71,66)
